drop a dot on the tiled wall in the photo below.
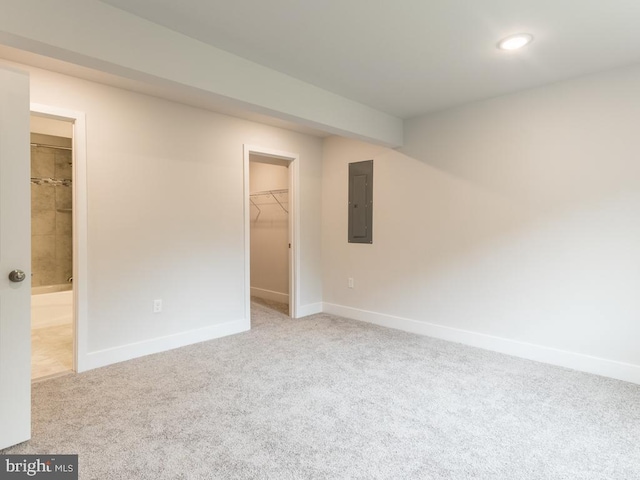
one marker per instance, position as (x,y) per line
(51,201)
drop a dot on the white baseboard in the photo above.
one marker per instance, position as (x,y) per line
(576,361)
(309,309)
(102,358)
(270,295)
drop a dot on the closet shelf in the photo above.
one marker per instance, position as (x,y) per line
(270,193)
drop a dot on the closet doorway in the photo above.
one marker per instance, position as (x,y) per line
(270,243)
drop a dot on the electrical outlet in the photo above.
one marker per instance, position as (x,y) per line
(350,282)
(157,305)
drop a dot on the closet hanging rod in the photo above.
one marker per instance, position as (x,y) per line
(50,146)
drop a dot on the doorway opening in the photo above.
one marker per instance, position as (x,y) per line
(59,241)
(269,207)
(52,316)
(271,230)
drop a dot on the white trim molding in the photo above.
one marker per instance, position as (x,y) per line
(309,309)
(102,358)
(576,361)
(269,295)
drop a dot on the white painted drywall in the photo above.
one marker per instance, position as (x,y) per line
(95,35)
(165,213)
(50,126)
(269,231)
(515,217)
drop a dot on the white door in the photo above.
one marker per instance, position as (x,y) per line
(15,254)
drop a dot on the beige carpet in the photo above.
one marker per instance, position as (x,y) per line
(329,398)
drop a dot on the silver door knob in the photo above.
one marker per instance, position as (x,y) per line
(17,276)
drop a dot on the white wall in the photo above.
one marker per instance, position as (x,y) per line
(49,126)
(511,224)
(165,215)
(269,232)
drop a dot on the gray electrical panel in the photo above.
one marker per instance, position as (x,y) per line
(361,202)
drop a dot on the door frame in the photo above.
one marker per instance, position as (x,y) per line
(80,225)
(294,226)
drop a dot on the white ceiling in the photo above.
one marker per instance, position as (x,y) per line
(410,57)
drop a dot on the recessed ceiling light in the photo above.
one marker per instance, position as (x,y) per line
(514,42)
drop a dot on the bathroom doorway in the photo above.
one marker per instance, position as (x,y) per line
(52,193)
